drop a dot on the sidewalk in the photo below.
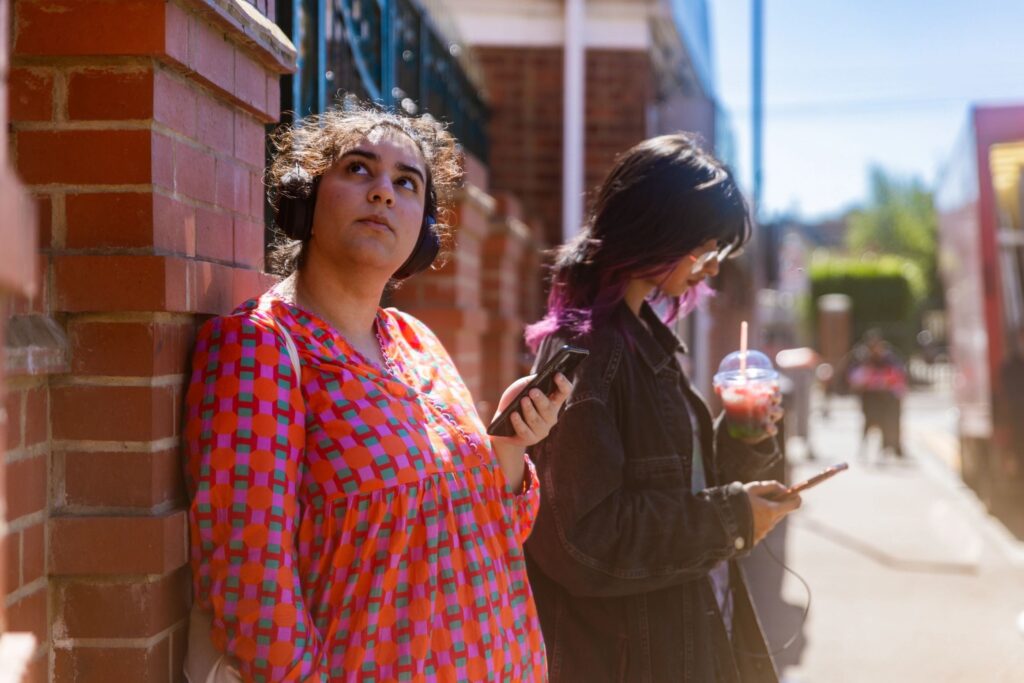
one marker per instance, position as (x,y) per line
(911,580)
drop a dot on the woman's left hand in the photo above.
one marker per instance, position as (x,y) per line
(536,416)
(772,418)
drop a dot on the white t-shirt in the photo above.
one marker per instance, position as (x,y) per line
(720,572)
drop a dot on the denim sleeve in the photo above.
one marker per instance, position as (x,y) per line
(614,524)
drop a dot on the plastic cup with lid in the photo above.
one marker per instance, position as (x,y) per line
(747,387)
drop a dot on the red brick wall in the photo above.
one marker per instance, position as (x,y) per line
(26,492)
(524,87)
(139,126)
(505,246)
(23,428)
(619,91)
(524,90)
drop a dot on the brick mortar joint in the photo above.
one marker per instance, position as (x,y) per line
(62,581)
(96,381)
(133,67)
(24,383)
(60,190)
(26,591)
(27,452)
(60,96)
(60,64)
(25,521)
(163,513)
(160,511)
(63,643)
(155,318)
(84,125)
(96,446)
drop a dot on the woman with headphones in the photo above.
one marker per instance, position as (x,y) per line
(350,517)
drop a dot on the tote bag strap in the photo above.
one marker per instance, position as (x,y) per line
(293,352)
(289,342)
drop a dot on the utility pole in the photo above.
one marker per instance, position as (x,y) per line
(574,117)
(757,99)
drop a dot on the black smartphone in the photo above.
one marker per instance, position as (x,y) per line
(564,361)
(824,475)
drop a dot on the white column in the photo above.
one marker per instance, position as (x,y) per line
(573,118)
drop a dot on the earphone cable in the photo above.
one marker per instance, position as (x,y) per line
(803,617)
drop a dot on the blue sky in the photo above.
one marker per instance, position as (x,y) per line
(850,83)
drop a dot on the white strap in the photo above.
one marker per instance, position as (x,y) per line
(293,353)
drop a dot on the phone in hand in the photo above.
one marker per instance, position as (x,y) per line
(564,361)
(818,478)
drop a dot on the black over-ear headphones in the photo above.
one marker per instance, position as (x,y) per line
(295,201)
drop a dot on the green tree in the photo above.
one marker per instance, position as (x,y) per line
(899,219)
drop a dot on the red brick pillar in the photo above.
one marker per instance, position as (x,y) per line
(504,249)
(448,300)
(534,276)
(139,125)
(22,461)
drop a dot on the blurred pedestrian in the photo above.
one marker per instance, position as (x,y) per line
(644,508)
(877,374)
(350,518)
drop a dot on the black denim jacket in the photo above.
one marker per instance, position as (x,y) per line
(620,553)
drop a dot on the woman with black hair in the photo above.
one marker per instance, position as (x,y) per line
(643,507)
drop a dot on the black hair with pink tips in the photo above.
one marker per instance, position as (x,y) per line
(663,199)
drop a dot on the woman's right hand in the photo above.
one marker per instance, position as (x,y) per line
(539,415)
(767,511)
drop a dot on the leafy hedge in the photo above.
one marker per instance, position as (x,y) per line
(885,293)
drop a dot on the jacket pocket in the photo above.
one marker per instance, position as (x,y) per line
(655,473)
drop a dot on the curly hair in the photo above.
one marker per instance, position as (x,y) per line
(316,142)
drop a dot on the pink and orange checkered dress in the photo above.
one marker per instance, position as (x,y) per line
(342,528)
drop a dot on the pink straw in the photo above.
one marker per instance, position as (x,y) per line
(743,349)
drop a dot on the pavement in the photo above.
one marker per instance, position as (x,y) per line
(909,578)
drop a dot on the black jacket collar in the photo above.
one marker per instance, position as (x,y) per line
(656,346)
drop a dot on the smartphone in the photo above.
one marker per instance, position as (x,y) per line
(564,361)
(813,481)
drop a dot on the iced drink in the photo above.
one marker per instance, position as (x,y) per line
(746,387)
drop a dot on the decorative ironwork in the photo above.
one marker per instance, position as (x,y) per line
(407,31)
(391,51)
(364,22)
